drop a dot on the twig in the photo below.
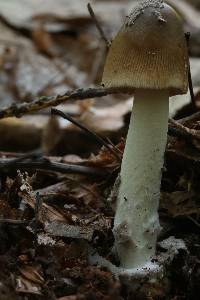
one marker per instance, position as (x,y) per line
(96,137)
(79,94)
(18,110)
(14,222)
(194,221)
(98,26)
(52,166)
(190,119)
(111,143)
(35,154)
(187,37)
(38,205)
(179,130)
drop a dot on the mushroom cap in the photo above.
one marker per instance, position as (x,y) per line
(149,51)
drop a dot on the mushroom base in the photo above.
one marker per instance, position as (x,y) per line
(136,224)
(152,280)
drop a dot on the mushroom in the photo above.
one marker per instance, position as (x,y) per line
(148,58)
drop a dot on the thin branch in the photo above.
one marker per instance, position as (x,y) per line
(187,37)
(98,26)
(79,94)
(113,145)
(18,110)
(190,119)
(14,222)
(35,154)
(96,137)
(38,205)
(179,130)
(51,166)
(194,221)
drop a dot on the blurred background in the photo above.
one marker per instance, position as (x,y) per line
(50,47)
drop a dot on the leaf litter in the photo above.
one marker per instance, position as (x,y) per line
(50,220)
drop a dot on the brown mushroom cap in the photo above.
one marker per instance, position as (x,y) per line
(149,51)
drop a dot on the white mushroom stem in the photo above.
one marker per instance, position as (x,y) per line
(136,224)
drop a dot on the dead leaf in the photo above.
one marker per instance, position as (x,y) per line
(179,203)
(69,298)
(31,273)
(47,213)
(52,129)
(27,287)
(106,119)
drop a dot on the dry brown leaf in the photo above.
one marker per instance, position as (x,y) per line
(27,287)
(31,273)
(51,135)
(47,213)
(69,298)
(29,73)
(85,192)
(105,158)
(43,42)
(106,119)
(34,73)
(179,203)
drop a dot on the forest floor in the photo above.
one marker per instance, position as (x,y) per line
(57,175)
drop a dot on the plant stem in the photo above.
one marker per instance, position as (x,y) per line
(136,224)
